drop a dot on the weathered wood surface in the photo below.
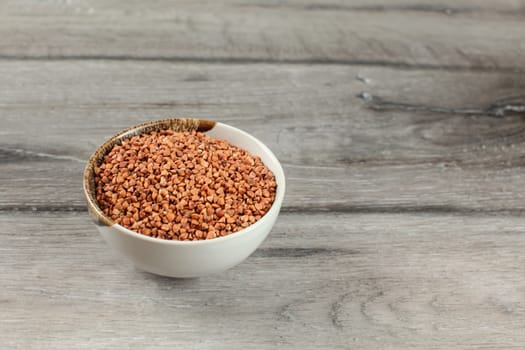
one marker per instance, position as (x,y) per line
(399,141)
(434,34)
(324,281)
(400,126)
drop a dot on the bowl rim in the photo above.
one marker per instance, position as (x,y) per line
(107,221)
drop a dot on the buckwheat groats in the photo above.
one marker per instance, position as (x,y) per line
(183,186)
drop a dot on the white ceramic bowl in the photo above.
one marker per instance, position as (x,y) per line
(186,258)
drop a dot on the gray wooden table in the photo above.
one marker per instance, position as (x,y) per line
(400,125)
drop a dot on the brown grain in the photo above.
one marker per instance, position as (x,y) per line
(183,186)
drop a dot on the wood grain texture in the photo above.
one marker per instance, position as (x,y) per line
(444,34)
(329,281)
(350,138)
(359,113)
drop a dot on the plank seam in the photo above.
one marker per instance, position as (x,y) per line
(249,60)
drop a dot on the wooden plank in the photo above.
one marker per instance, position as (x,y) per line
(413,140)
(324,280)
(444,34)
